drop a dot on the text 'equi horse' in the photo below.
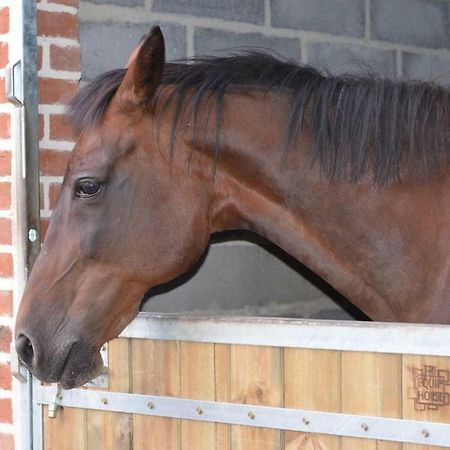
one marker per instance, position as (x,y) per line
(350,175)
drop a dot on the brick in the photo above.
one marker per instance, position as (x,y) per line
(414,22)
(209,41)
(6,303)
(100,52)
(65,58)
(251,11)
(53,91)
(6,265)
(57,24)
(5,124)
(2,91)
(53,193)
(5,377)
(53,163)
(60,128)
(41,126)
(346,18)
(74,3)
(349,58)
(4,57)
(5,163)
(6,441)
(44,227)
(5,410)
(39,57)
(4,20)
(129,3)
(5,232)
(5,195)
(5,341)
(42,202)
(426,67)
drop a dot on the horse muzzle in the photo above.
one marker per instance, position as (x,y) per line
(70,362)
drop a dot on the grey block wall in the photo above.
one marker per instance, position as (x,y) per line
(408,39)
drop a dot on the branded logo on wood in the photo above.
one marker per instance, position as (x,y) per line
(429,391)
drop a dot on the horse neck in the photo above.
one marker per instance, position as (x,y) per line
(356,237)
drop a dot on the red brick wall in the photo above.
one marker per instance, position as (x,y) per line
(6,239)
(59,72)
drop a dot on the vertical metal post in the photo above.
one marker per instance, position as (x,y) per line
(31,117)
(22,91)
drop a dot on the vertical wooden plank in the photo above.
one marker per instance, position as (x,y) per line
(371,385)
(107,430)
(222,370)
(426,391)
(256,378)
(197,382)
(155,371)
(312,380)
(55,436)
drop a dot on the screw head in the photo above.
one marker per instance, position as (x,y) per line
(32,235)
(104,400)
(251,415)
(199,410)
(151,405)
(365,427)
(306,420)
(425,433)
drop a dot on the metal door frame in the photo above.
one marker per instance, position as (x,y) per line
(22,91)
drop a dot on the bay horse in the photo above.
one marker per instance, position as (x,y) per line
(350,175)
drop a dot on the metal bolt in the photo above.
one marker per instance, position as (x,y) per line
(199,410)
(426,433)
(252,415)
(59,396)
(306,420)
(104,400)
(365,427)
(32,234)
(151,405)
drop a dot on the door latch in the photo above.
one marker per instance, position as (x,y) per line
(13,83)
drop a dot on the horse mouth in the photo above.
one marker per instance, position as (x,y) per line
(80,364)
(80,367)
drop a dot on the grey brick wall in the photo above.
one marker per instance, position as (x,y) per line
(395,38)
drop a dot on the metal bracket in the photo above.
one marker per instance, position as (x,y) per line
(53,405)
(306,421)
(18,369)
(13,83)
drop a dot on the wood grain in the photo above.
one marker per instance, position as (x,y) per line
(256,378)
(156,371)
(312,380)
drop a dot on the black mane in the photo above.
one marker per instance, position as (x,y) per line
(358,123)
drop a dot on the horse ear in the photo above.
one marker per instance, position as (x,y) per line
(145,67)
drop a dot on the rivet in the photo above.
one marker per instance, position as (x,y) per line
(306,420)
(365,427)
(59,396)
(104,400)
(426,433)
(199,410)
(151,405)
(252,415)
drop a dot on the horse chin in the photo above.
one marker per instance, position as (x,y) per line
(80,370)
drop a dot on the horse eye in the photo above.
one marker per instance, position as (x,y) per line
(88,188)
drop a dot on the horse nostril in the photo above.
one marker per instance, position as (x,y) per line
(24,349)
